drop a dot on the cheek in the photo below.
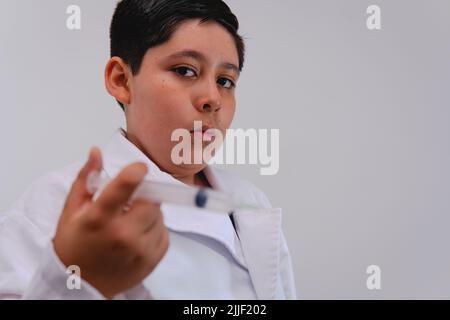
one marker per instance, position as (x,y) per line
(151,92)
(160,99)
(228,115)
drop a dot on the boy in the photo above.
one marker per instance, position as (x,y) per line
(173,62)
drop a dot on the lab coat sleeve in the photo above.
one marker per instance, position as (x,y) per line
(50,279)
(50,282)
(29,266)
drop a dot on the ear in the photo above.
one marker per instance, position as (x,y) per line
(117,78)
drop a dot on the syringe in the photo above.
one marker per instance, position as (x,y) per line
(161,192)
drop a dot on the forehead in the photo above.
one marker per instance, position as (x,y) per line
(209,38)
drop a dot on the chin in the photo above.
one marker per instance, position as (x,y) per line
(183,170)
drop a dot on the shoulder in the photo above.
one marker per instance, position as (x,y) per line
(43,200)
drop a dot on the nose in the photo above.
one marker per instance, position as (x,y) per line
(209,98)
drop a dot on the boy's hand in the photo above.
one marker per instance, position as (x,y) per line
(114,248)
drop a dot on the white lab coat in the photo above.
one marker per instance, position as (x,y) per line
(206,259)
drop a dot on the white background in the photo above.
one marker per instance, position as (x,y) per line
(363,117)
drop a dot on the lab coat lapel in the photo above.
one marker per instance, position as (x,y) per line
(260,235)
(259,232)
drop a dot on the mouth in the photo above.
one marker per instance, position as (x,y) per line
(202,133)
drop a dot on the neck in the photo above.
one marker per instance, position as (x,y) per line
(198,179)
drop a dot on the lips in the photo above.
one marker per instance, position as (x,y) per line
(201,132)
(202,129)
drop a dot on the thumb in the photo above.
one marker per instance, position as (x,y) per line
(79,192)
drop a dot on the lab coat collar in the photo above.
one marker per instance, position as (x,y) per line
(259,230)
(120,152)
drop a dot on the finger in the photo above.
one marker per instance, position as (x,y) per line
(158,245)
(118,192)
(142,215)
(79,194)
(153,242)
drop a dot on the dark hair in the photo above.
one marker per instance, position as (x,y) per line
(138,25)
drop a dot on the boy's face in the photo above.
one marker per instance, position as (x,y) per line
(188,78)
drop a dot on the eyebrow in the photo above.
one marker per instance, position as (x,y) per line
(200,57)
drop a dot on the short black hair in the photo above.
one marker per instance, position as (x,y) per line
(138,25)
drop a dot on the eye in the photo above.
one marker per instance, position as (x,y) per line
(185,72)
(226,83)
